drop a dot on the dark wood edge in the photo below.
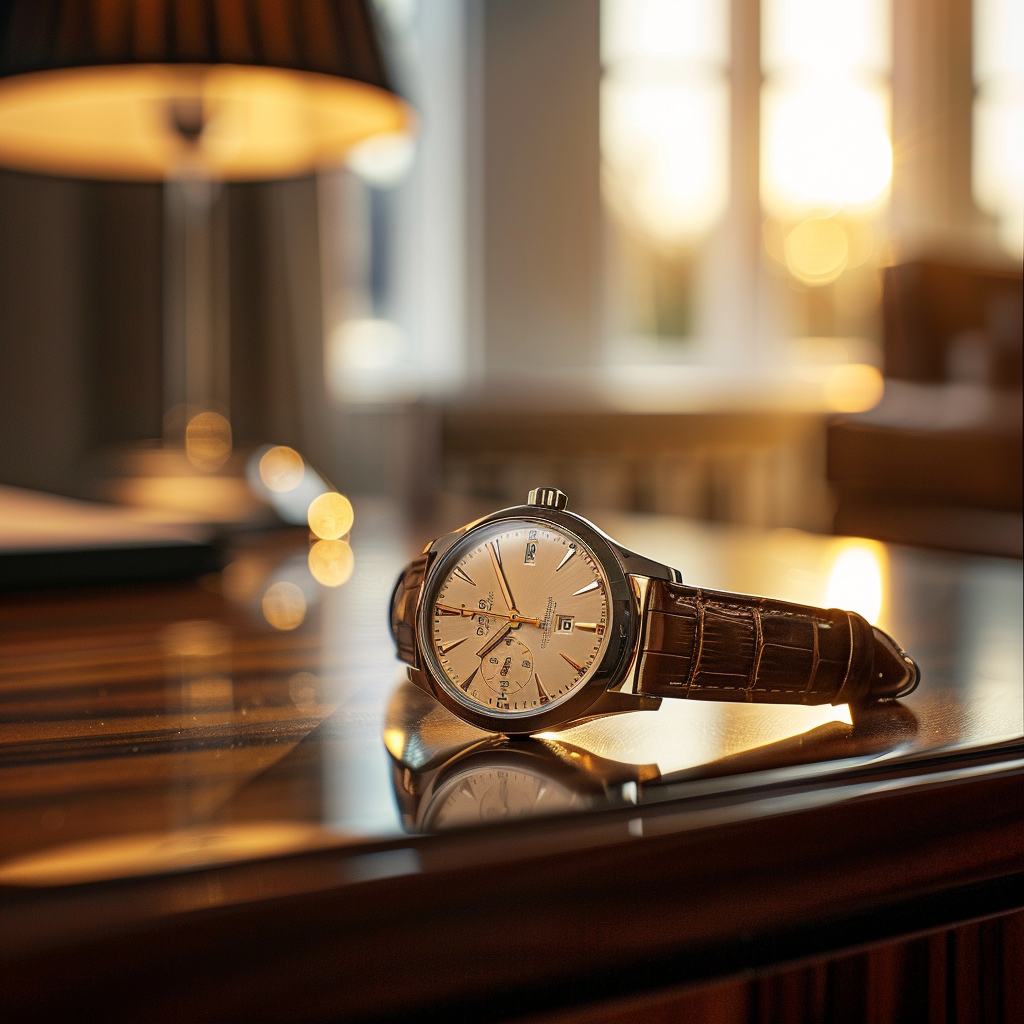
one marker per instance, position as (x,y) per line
(673,907)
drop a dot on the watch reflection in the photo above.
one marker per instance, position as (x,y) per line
(448,774)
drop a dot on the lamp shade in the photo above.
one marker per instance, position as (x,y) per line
(139,89)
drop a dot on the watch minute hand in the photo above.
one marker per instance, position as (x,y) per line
(502,582)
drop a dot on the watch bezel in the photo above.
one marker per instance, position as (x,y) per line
(621,634)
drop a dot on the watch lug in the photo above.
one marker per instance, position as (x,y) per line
(420,678)
(640,565)
(614,702)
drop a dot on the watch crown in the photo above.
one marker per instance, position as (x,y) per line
(547,497)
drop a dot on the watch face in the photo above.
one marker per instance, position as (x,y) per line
(520,619)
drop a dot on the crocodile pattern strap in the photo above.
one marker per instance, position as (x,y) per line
(708,645)
(403,609)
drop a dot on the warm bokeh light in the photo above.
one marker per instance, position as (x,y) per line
(281,469)
(665,114)
(116,121)
(383,160)
(857,579)
(666,153)
(817,250)
(825,145)
(634,31)
(331,562)
(330,515)
(304,690)
(853,387)
(831,37)
(284,605)
(363,345)
(825,105)
(208,441)
(997,148)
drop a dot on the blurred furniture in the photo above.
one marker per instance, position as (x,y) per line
(190,93)
(47,541)
(938,463)
(762,467)
(197,816)
(957,324)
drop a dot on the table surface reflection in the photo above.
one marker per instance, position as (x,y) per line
(167,728)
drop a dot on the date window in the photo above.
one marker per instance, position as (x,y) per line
(530,558)
(565,624)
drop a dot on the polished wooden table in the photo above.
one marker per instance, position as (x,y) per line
(218,801)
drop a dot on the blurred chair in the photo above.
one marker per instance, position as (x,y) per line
(938,462)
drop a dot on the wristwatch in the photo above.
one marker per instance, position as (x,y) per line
(446,773)
(532,619)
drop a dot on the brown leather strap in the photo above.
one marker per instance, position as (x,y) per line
(403,609)
(716,646)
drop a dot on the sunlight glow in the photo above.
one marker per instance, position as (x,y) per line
(857,579)
(826,145)
(825,105)
(666,152)
(998,122)
(832,37)
(665,114)
(665,30)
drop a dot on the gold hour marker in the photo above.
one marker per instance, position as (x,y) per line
(544,698)
(445,648)
(443,609)
(463,575)
(588,627)
(579,668)
(567,556)
(592,585)
(465,685)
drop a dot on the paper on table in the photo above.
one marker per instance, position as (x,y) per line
(33,521)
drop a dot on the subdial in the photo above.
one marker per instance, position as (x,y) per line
(507,667)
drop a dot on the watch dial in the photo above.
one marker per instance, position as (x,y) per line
(521,620)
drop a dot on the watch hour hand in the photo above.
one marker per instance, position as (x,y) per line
(494,641)
(472,613)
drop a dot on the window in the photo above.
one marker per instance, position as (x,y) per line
(665,160)
(393,259)
(824,175)
(826,168)
(998,144)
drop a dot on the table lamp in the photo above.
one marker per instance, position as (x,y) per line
(191,93)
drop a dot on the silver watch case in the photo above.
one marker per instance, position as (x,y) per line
(597,696)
